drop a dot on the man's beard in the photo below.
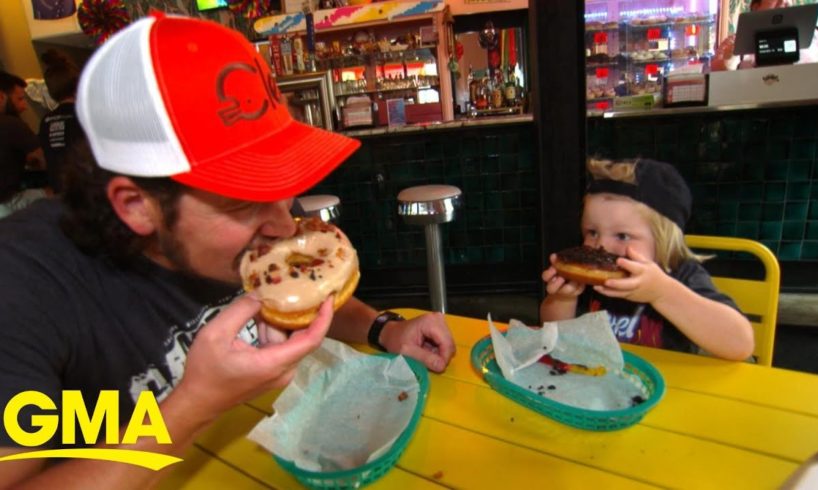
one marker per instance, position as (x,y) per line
(175,253)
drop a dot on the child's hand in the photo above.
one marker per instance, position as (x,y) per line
(557,286)
(645,284)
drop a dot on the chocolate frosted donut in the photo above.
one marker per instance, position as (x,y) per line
(588,265)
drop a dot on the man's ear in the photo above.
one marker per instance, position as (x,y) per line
(133,205)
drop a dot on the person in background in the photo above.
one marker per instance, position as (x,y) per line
(19,147)
(725,59)
(131,281)
(14,90)
(59,129)
(638,210)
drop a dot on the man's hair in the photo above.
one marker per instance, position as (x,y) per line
(8,81)
(90,220)
(671,249)
(61,75)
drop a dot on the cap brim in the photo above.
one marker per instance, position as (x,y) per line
(280,166)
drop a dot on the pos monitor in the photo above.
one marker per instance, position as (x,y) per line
(775,36)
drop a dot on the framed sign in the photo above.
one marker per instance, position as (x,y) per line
(396,112)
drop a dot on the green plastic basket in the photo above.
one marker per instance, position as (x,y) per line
(482,358)
(371,471)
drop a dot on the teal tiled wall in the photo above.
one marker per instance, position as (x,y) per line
(494,167)
(753,174)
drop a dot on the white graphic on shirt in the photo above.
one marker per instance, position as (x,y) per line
(624,327)
(177,345)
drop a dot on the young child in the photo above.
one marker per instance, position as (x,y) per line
(638,210)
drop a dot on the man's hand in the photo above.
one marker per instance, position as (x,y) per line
(222,370)
(426,338)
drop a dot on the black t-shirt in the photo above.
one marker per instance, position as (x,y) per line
(58,130)
(75,322)
(638,323)
(16,142)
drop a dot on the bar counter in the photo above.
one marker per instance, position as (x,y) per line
(441,125)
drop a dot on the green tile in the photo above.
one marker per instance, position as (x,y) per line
(802,150)
(731,130)
(749,211)
(752,192)
(747,229)
(511,200)
(729,191)
(798,191)
(789,251)
(812,230)
(728,210)
(813,193)
(809,250)
(726,229)
(776,171)
(773,212)
(666,133)
(799,171)
(805,125)
(757,130)
(754,170)
(513,254)
(471,166)
(509,143)
(793,230)
(491,183)
(774,192)
(813,210)
(770,230)
(491,145)
(781,128)
(525,161)
(773,245)
(795,211)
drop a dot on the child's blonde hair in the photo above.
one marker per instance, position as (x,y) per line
(671,249)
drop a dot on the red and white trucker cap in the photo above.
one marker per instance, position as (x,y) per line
(192,100)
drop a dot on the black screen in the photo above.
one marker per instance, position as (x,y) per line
(777,47)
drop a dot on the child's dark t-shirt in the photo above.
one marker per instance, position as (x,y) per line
(639,323)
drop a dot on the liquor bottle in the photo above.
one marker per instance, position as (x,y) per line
(310,22)
(511,89)
(298,54)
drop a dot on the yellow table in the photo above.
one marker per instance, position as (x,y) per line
(720,425)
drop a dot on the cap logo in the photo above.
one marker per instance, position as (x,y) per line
(252,109)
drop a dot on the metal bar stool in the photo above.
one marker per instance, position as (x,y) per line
(430,205)
(325,206)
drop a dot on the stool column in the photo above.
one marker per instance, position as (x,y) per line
(434,268)
(429,206)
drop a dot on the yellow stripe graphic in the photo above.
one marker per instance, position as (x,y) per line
(152,461)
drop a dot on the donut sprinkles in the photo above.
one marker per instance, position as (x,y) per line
(588,265)
(294,275)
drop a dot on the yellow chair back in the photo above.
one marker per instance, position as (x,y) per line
(757,299)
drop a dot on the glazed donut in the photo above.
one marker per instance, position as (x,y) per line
(294,275)
(588,265)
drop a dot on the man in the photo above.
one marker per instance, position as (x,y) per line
(195,160)
(14,89)
(19,147)
(725,59)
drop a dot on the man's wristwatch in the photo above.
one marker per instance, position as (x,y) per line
(374,335)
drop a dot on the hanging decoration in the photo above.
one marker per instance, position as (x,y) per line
(100,19)
(251,9)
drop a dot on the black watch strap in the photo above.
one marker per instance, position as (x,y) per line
(374,335)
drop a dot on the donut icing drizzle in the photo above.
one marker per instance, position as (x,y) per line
(297,273)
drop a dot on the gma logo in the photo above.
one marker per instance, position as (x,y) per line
(146,421)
